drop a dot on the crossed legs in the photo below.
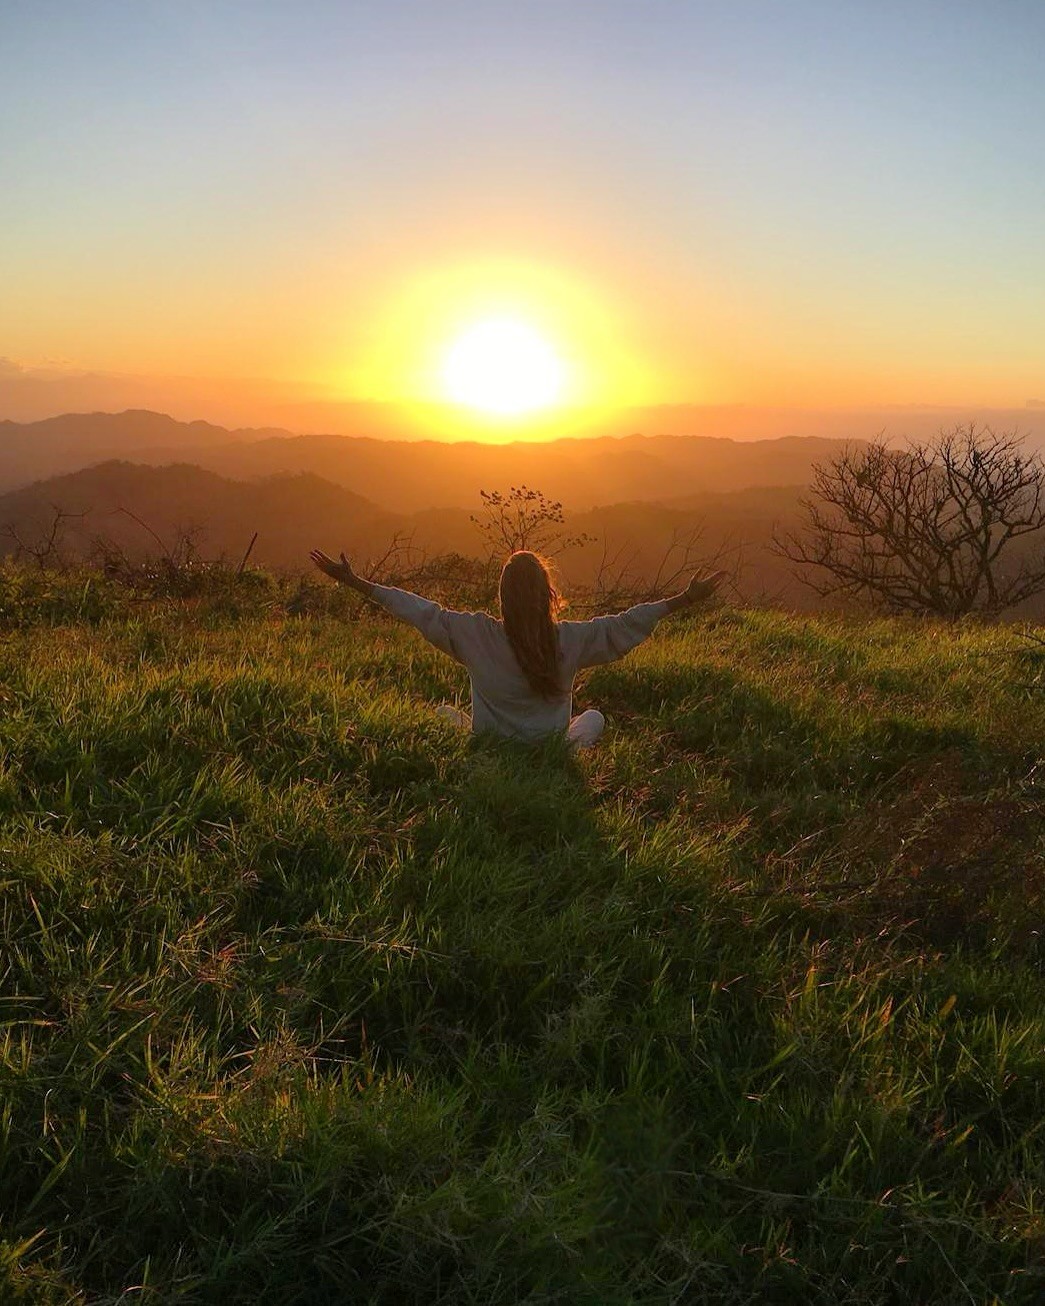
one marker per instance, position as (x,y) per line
(584,729)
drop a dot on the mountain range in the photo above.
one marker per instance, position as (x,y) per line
(403,476)
(171,481)
(142,511)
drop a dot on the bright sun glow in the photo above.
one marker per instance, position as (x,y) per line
(503,366)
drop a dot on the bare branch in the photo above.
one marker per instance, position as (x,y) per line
(925,528)
(47,550)
(524,519)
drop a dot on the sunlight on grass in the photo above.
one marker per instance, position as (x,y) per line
(308,998)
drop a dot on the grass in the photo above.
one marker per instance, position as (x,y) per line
(306,998)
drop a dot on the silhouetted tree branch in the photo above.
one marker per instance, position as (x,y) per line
(46,549)
(928,528)
(524,519)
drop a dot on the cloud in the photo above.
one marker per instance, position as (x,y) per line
(1036,403)
(46,369)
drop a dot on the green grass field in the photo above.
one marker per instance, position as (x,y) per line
(307,999)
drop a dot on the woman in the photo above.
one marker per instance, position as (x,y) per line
(522,667)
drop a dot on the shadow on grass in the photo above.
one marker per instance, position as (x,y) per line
(454,1070)
(434,1020)
(859,822)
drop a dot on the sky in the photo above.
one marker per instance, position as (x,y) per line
(784,204)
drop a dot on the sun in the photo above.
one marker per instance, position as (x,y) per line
(504,367)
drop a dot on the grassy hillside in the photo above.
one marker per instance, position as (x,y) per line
(308,999)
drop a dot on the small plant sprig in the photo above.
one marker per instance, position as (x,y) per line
(525,519)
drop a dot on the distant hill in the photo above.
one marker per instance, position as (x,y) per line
(30,451)
(581,473)
(291,513)
(418,476)
(131,504)
(412,476)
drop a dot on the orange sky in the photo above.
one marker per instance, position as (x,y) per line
(246,211)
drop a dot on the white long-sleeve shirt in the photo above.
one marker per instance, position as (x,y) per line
(503,701)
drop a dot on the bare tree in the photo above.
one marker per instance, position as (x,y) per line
(524,519)
(927,528)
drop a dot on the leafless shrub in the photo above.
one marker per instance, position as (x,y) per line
(47,548)
(927,528)
(400,560)
(461,581)
(457,579)
(616,580)
(183,551)
(524,519)
(176,568)
(621,580)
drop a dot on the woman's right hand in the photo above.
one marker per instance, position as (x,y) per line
(340,571)
(703,587)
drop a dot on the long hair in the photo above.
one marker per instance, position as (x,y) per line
(529,606)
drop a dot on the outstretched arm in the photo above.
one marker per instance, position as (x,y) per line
(447,630)
(604,639)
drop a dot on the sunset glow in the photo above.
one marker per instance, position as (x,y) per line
(503,366)
(685,205)
(495,348)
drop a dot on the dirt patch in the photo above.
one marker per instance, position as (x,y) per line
(938,861)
